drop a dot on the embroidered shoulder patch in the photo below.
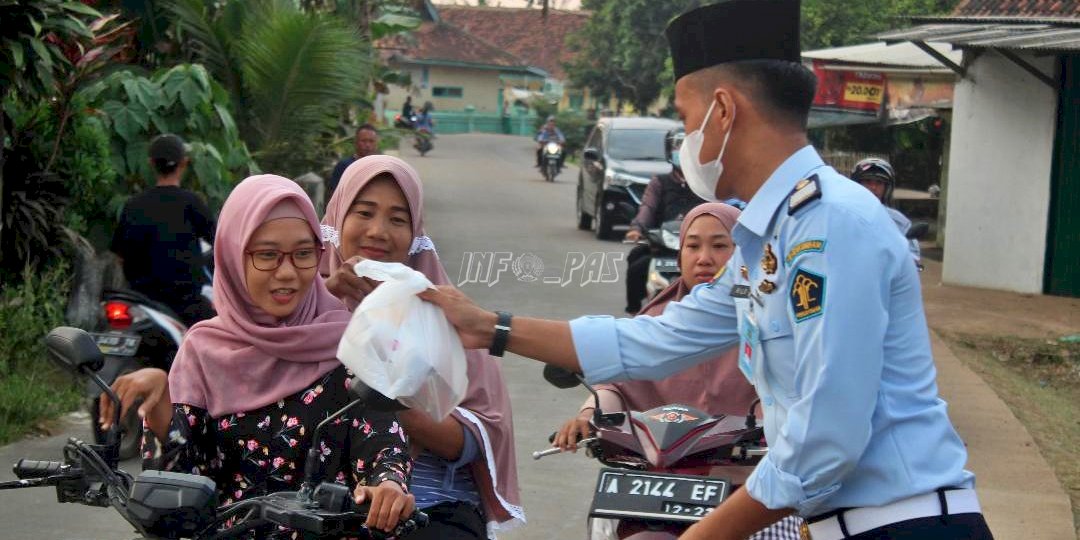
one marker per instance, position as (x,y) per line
(809,246)
(807,295)
(805,191)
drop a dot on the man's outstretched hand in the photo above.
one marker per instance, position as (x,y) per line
(475,325)
(547,341)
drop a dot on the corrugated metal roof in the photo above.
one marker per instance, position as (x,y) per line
(881,55)
(994,33)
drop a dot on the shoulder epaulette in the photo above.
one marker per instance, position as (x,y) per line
(806,190)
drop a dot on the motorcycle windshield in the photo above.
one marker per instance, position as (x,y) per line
(670,425)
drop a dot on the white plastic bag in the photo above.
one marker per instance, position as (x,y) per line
(402,346)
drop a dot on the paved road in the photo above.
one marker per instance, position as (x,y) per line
(482,196)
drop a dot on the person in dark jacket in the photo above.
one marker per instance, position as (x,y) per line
(666,198)
(157,238)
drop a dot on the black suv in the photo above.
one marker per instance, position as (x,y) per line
(620,157)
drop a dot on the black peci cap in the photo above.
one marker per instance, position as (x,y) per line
(734,30)
(168,147)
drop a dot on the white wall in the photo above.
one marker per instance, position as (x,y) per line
(999,176)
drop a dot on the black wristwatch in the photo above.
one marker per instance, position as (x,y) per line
(502,334)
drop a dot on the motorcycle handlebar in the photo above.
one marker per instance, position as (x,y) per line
(32,468)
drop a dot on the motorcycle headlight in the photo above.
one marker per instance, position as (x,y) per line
(623,179)
(671,240)
(552,148)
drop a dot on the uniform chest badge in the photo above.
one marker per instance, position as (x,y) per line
(744,272)
(766,286)
(807,295)
(768,260)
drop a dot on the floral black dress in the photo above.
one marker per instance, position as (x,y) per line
(262,451)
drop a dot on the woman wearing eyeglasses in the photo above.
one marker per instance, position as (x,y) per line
(248,387)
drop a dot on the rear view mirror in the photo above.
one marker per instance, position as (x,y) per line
(560,378)
(918,230)
(73,350)
(591,154)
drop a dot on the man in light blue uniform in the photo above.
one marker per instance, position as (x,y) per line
(820,297)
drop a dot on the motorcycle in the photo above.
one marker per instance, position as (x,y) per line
(666,468)
(422,136)
(136,332)
(552,163)
(664,263)
(167,505)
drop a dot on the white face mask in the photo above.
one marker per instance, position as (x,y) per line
(703,177)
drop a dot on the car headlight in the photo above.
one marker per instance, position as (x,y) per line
(623,179)
(552,148)
(671,240)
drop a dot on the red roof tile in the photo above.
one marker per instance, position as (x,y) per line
(521,32)
(1018,8)
(447,43)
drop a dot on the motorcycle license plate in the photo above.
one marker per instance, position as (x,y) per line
(117,345)
(667,265)
(667,497)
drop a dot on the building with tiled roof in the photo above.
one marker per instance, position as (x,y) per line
(525,33)
(483,61)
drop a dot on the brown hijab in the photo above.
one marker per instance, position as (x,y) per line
(485,412)
(716,386)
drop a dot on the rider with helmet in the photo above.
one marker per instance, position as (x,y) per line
(877,175)
(549,132)
(667,197)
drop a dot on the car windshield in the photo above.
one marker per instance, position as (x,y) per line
(643,144)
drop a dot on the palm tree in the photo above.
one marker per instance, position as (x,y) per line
(289,73)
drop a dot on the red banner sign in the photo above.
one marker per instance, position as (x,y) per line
(849,91)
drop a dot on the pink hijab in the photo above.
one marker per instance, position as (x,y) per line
(716,386)
(485,412)
(243,358)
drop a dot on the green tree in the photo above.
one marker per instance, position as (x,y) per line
(622,50)
(288,73)
(31,60)
(182,100)
(833,23)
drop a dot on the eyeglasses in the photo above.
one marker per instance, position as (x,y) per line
(269,260)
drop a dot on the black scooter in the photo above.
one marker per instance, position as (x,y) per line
(166,505)
(136,332)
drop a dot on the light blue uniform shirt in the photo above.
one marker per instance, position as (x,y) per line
(838,350)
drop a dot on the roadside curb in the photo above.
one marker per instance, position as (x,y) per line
(1020,495)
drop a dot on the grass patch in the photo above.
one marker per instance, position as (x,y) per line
(1040,381)
(32,390)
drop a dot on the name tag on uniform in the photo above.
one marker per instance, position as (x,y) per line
(740,291)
